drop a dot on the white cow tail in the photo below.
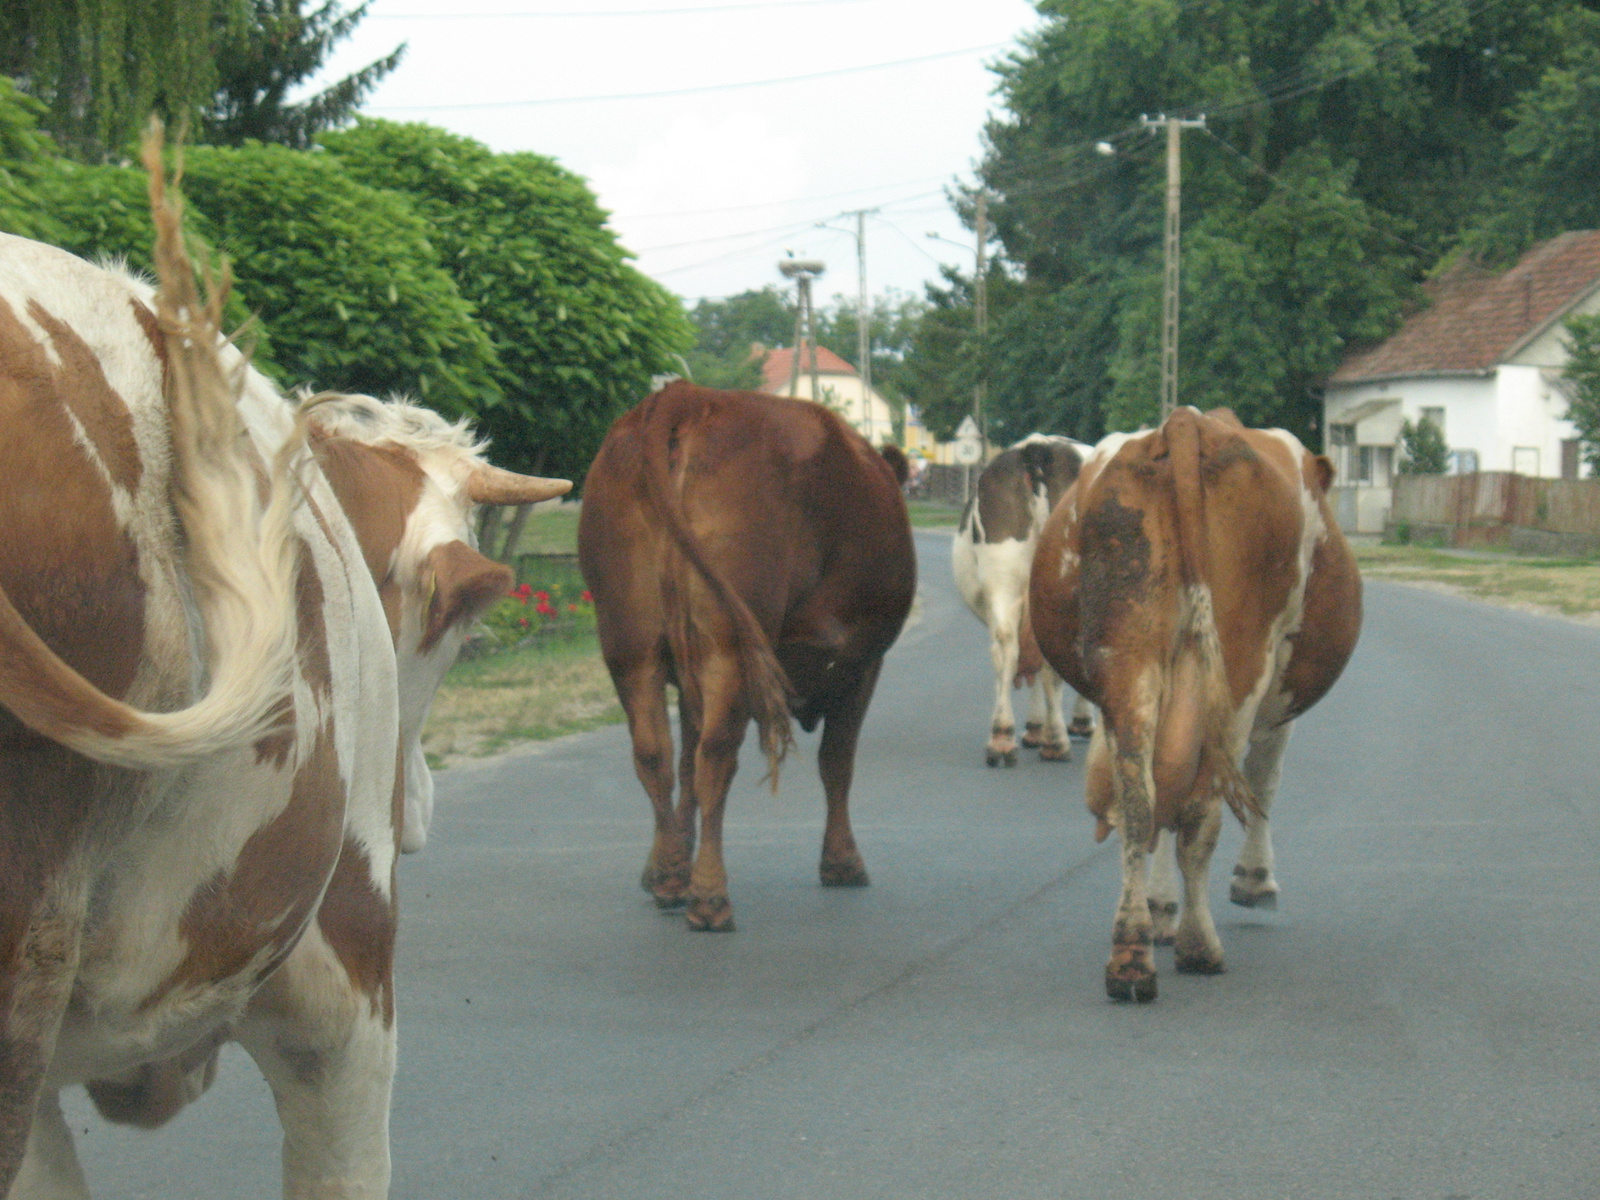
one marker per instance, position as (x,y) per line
(242,554)
(1198,630)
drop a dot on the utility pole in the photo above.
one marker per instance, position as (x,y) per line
(863,312)
(980,312)
(803,271)
(1169,296)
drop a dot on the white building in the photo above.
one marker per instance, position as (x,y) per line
(1483,361)
(838,386)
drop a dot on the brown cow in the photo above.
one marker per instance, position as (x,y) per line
(756,553)
(1195,586)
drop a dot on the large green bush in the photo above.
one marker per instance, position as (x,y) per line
(344,276)
(577,331)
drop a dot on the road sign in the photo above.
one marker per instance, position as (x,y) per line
(968,452)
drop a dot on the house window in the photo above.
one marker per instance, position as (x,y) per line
(1374,464)
(1525,460)
(1436,417)
(1341,449)
(1463,462)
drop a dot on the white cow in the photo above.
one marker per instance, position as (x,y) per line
(202,592)
(992,555)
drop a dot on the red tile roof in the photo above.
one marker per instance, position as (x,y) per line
(778,363)
(1476,319)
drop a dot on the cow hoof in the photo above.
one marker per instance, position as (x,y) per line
(1164,921)
(1200,961)
(1253,888)
(1080,728)
(666,888)
(1123,985)
(1000,758)
(710,914)
(849,872)
(1055,752)
(1033,735)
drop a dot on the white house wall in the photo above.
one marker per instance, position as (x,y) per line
(843,394)
(1533,416)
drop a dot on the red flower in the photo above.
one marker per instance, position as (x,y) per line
(587,597)
(523,621)
(572,608)
(544,609)
(542,597)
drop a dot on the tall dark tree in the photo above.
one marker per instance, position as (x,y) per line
(261,60)
(102,66)
(1583,376)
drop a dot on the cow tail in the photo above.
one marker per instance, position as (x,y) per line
(1198,629)
(241,552)
(766,686)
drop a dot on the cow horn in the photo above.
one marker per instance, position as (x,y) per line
(491,485)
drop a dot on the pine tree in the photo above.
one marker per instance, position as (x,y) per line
(278,47)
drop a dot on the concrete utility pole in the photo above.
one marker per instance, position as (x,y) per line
(803,271)
(980,311)
(863,312)
(1169,296)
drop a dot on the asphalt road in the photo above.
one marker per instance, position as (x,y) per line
(1418,1019)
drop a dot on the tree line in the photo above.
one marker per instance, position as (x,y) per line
(379,257)
(1353,148)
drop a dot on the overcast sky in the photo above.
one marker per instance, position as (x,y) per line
(711,186)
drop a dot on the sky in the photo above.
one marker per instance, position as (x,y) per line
(710,182)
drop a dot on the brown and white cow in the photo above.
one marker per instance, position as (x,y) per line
(200,717)
(991,555)
(756,553)
(1195,587)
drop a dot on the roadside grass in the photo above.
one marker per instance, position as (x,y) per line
(931,514)
(535,692)
(1568,587)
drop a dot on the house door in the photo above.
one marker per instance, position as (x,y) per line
(1525,460)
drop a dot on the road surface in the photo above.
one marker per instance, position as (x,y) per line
(1418,1020)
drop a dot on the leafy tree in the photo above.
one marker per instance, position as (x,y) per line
(1583,374)
(1425,449)
(577,331)
(26,153)
(102,66)
(727,330)
(346,277)
(280,47)
(1351,144)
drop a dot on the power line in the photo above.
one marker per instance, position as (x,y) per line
(690,91)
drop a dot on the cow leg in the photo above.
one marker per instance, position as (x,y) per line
(722,724)
(1082,719)
(41,952)
(327,1048)
(1197,948)
(842,865)
(1163,897)
(1253,884)
(1053,743)
(643,692)
(1004,648)
(1131,973)
(50,1169)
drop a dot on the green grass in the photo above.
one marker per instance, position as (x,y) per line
(540,691)
(930,514)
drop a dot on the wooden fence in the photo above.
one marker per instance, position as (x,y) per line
(1545,516)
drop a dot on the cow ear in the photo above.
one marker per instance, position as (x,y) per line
(464,583)
(1322,468)
(896,458)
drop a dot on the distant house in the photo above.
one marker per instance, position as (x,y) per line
(1483,361)
(839,386)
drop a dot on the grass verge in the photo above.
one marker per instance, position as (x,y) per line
(488,705)
(1567,587)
